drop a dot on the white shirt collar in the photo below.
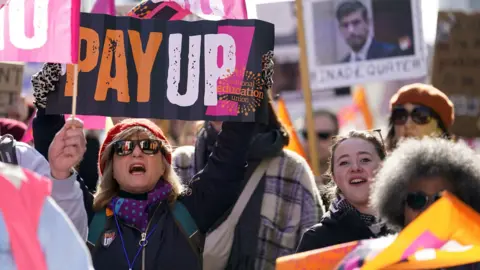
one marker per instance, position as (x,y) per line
(362,54)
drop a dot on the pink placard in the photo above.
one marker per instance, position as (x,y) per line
(243,37)
(91,122)
(214,9)
(42,31)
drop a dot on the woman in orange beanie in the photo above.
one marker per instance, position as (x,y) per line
(419,110)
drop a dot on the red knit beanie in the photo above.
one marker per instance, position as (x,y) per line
(13,127)
(426,95)
(127,124)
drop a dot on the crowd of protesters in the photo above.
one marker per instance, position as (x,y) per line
(216,195)
(152,205)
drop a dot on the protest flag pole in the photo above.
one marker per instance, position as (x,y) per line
(75,90)
(307,92)
(75,66)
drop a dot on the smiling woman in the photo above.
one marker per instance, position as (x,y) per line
(353,164)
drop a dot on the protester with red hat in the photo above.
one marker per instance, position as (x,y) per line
(418,110)
(145,217)
(138,187)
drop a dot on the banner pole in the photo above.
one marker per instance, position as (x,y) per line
(307,92)
(75,90)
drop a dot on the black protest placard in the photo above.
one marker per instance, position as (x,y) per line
(128,67)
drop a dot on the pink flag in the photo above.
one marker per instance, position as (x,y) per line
(39,30)
(104,7)
(213,9)
(3,3)
(28,136)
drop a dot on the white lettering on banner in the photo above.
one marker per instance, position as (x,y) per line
(175,51)
(17,29)
(16,14)
(212,71)
(194,68)
(216,6)
(173,80)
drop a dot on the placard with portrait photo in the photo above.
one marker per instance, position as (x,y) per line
(357,41)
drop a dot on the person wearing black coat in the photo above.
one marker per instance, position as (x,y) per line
(139,191)
(353,162)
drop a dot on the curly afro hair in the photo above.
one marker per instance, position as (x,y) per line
(425,158)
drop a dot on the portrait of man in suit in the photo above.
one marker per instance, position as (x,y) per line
(354,25)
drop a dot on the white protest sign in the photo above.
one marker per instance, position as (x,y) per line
(357,41)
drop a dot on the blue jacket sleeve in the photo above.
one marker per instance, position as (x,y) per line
(66,192)
(63,247)
(216,188)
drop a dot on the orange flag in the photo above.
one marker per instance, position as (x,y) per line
(360,100)
(284,117)
(452,240)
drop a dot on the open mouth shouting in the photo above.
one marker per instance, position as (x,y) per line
(137,169)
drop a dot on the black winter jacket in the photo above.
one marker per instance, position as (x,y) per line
(168,248)
(335,228)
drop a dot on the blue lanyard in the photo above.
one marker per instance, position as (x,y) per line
(143,243)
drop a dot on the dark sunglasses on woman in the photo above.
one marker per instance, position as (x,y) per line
(419,200)
(126,147)
(420,115)
(320,135)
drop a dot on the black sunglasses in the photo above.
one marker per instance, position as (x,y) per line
(420,115)
(126,147)
(320,135)
(419,200)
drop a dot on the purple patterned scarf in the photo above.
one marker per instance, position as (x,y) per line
(134,211)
